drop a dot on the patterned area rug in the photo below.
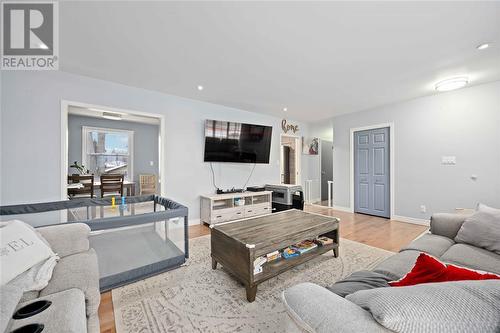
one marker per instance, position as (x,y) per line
(196,298)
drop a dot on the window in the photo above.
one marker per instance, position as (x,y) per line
(106,151)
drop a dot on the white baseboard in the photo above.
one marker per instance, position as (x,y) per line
(343,209)
(194,221)
(411,220)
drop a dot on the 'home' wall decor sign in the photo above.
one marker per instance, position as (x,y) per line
(288,127)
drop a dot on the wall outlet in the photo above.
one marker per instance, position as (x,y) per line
(448,160)
(151,163)
(423,209)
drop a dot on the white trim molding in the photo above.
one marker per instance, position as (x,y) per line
(391,163)
(411,220)
(343,209)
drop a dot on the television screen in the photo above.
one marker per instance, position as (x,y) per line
(235,142)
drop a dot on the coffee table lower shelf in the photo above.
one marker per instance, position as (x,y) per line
(271,269)
(274,268)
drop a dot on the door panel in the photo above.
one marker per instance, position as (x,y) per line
(378,197)
(363,161)
(371,172)
(378,161)
(364,196)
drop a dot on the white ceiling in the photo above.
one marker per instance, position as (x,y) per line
(319,59)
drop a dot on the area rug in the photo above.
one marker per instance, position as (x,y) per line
(195,298)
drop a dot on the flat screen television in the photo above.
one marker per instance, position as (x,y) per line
(236,142)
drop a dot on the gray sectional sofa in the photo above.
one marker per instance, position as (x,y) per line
(73,288)
(312,308)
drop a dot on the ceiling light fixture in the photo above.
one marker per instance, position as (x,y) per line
(483,46)
(452,84)
(200,88)
(112,116)
(285,109)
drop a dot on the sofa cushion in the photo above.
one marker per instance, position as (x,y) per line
(315,309)
(66,314)
(398,265)
(9,298)
(472,257)
(77,271)
(434,245)
(461,306)
(29,295)
(482,229)
(359,281)
(446,224)
(67,239)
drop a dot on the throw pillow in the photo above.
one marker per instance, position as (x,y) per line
(487,209)
(482,229)
(428,269)
(20,249)
(460,306)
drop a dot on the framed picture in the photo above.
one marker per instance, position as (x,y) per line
(310,146)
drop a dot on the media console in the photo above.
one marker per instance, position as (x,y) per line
(219,208)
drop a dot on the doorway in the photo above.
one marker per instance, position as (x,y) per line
(372,171)
(289,160)
(326,172)
(86,127)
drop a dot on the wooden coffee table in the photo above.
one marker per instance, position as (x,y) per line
(235,245)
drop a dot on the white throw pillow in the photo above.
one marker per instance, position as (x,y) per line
(21,248)
(487,209)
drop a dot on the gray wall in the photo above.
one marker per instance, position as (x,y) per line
(31,136)
(463,123)
(145,142)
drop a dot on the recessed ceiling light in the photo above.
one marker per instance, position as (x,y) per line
(285,109)
(200,88)
(483,46)
(452,84)
(112,116)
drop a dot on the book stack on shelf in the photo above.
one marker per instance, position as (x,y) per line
(305,246)
(257,265)
(290,252)
(323,241)
(275,255)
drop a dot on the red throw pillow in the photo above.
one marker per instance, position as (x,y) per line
(428,269)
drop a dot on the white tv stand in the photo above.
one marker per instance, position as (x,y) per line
(219,208)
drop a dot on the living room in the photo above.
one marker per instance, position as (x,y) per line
(302,156)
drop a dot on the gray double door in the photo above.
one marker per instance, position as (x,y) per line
(372,172)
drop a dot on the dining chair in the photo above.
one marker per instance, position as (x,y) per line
(88,186)
(111,184)
(147,184)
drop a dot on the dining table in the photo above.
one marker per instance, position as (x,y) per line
(129,185)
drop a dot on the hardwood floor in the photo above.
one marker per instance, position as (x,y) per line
(374,231)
